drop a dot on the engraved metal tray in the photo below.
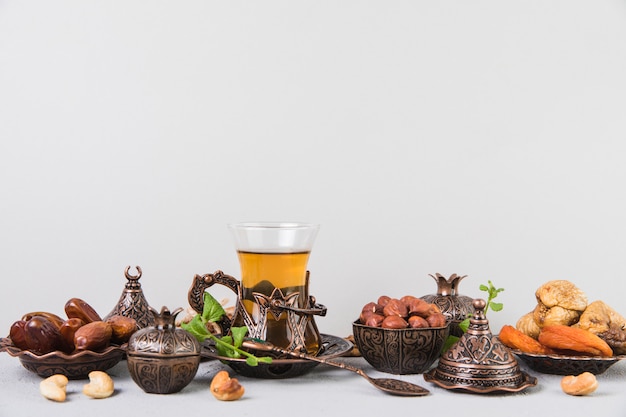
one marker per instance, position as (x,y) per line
(566,365)
(332,347)
(526,382)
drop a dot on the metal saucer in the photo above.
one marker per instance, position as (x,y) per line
(332,347)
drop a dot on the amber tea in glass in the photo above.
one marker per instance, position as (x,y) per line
(273,258)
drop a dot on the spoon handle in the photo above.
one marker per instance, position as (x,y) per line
(267,346)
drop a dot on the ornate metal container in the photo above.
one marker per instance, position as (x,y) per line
(454,306)
(132,302)
(479,362)
(163,359)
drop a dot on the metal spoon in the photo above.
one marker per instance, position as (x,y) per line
(389,385)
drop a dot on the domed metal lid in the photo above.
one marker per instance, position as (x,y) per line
(479,362)
(163,340)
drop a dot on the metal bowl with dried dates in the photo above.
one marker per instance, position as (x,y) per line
(47,344)
(400,335)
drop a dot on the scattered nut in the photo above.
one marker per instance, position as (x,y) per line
(53,387)
(225,388)
(583,384)
(100,385)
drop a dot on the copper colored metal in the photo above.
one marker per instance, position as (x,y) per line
(388,385)
(479,362)
(454,306)
(74,366)
(132,302)
(271,307)
(163,359)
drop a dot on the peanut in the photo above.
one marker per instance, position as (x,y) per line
(583,384)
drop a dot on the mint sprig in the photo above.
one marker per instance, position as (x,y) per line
(228,345)
(492,292)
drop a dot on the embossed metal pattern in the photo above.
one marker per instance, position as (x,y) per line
(479,362)
(567,365)
(399,351)
(454,306)
(283,367)
(74,366)
(163,359)
(132,303)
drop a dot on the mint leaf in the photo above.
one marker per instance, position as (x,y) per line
(238,334)
(252,360)
(496,306)
(212,310)
(197,328)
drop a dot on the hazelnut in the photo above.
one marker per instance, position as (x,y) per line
(383,300)
(394,322)
(396,307)
(374,320)
(419,307)
(417,322)
(436,320)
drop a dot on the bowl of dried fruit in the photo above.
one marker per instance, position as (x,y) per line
(400,335)
(48,344)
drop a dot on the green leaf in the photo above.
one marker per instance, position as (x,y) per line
(464,325)
(224,346)
(483,287)
(197,328)
(252,361)
(496,306)
(265,359)
(450,341)
(238,334)
(212,310)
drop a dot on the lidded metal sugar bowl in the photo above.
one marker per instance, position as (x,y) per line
(478,362)
(454,306)
(163,359)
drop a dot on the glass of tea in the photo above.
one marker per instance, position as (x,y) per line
(273,258)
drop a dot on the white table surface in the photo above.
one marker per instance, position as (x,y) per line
(323,391)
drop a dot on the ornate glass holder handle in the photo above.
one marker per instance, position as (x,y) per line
(270,308)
